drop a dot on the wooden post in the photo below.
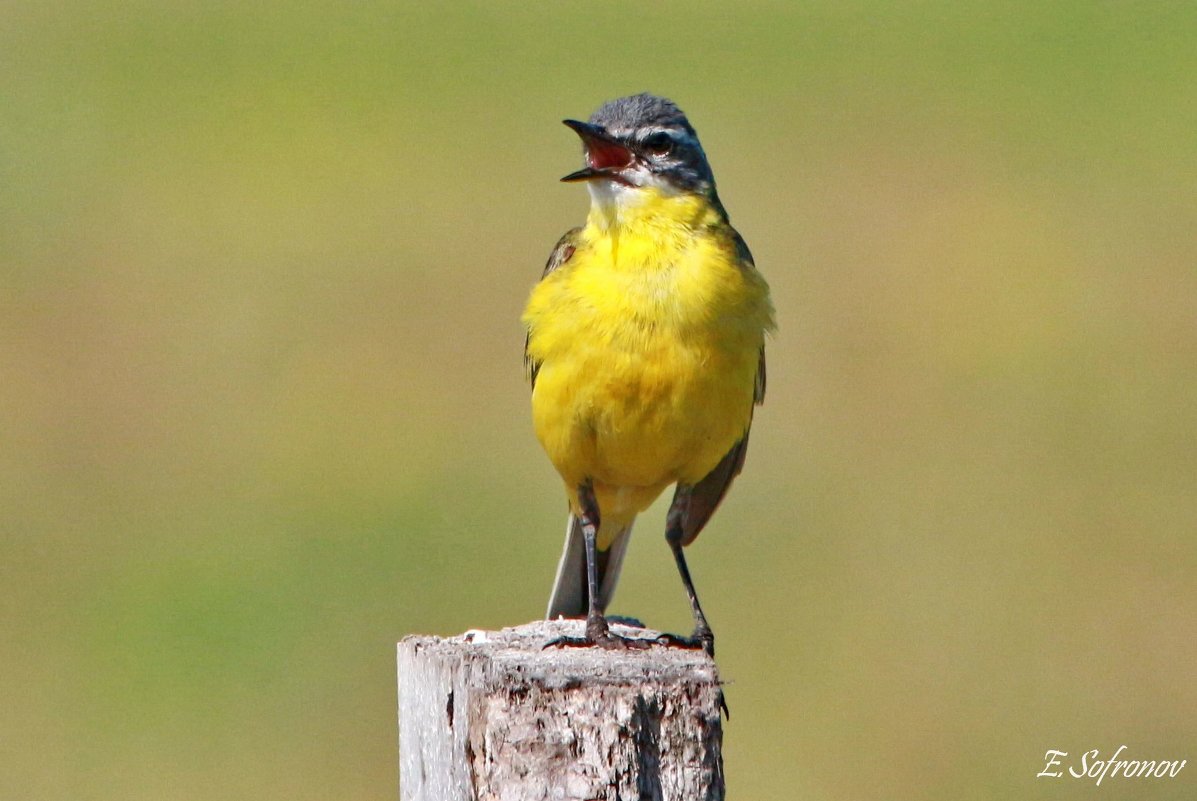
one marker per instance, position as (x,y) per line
(494,716)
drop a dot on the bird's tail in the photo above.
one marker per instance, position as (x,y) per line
(570,597)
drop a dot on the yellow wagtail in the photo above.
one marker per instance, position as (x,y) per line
(645,350)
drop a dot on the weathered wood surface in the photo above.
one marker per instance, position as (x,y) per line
(494,716)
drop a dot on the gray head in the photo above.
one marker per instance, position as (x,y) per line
(643,140)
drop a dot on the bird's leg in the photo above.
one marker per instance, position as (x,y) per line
(674,533)
(597,631)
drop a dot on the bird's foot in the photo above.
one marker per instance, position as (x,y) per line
(610,642)
(598,634)
(702,638)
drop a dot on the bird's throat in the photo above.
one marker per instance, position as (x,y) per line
(617,207)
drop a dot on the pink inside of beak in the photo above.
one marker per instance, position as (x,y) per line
(603,155)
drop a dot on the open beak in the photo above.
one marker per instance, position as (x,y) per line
(605,156)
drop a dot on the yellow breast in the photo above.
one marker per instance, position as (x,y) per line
(648,341)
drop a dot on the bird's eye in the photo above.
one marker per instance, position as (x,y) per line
(659,144)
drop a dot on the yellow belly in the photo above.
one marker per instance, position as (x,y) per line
(648,347)
(641,421)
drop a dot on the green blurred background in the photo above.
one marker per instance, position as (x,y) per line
(262,407)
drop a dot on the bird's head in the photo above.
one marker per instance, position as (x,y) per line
(642,141)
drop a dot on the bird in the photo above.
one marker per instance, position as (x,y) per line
(645,350)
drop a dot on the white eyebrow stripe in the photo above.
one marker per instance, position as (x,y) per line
(680,135)
(675,132)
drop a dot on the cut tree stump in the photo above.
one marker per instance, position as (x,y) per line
(495,716)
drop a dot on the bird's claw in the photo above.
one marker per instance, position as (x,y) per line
(598,634)
(701,639)
(606,641)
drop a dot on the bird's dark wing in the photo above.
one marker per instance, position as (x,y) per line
(758,393)
(560,255)
(744,256)
(706,495)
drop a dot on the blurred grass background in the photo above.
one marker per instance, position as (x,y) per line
(262,409)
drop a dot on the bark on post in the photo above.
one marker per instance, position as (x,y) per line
(493,716)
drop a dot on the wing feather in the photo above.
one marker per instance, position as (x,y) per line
(561,254)
(706,495)
(744,256)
